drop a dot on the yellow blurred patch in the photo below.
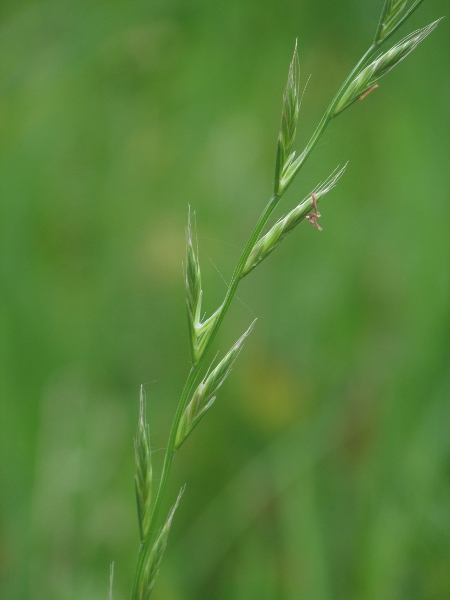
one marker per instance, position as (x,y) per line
(162,251)
(273,397)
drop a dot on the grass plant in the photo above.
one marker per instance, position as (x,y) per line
(200,389)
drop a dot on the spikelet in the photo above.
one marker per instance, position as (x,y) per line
(153,560)
(392,17)
(111,581)
(266,244)
(289,119)
(198,331)
(193,277)
(204,397)
(370,75)
(143,477)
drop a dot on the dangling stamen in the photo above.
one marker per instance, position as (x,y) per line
(312,217)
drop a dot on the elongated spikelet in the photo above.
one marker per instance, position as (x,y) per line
(153,560)
(289,119)
(193,278)
(143,478)
(204,397)
(202,332)
(193,285)
(198,331)
(111,581)
(392,17)
(266,244)
(370,75)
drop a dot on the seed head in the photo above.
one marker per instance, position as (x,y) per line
(111,581)
(143,477)
(370,75)
(199,331)
(392,17)
(289,119)
(193,284)
(203,397)
(153,560)
(266,244)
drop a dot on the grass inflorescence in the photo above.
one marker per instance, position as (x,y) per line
(196,400)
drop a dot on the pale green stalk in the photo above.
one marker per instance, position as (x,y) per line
(143,477)
(202,334)
(111,581)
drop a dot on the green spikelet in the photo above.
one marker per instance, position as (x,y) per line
(153,560)
(266,244)
(289,119)
(199,331)
(370,75)
(143,478)
(393,17)
(204,397)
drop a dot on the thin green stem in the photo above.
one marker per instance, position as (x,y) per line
(237,275)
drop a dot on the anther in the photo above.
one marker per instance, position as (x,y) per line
(312,217)
(369,91)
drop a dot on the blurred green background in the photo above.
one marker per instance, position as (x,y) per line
(323,471)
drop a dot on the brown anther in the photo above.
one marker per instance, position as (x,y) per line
(369,91)
(313,220)
(312,217)
(314,199)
